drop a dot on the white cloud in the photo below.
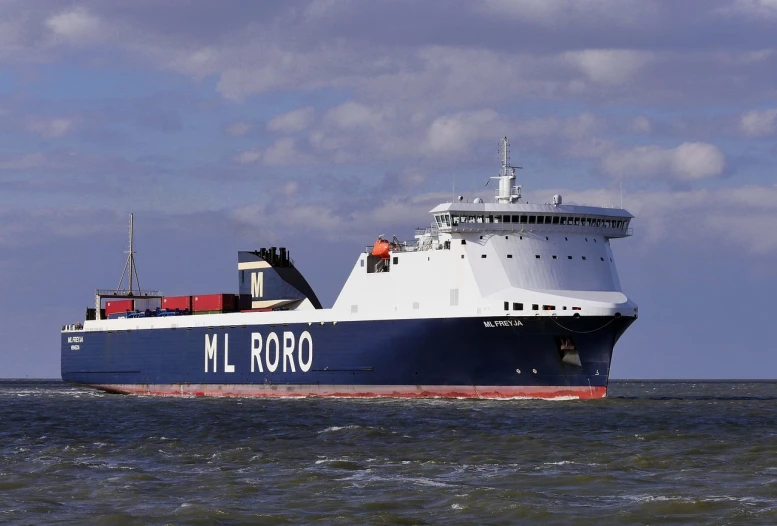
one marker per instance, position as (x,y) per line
(238,129)
(751,8)
(280,153)
(688,162)
(758,123)
(553,13)
(51,128)
(641,124)
(293,121)
(736,217)
(609,66)
(452,135)
(76,25)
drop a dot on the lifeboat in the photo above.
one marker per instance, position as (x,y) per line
(381,249)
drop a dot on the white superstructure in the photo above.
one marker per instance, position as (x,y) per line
(507,257)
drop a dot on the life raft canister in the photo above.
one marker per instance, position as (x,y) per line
(381,249)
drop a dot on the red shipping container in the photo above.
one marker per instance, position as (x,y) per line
(177,302)
(217,302)
(116,306)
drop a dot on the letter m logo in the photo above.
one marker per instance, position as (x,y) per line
(210,351)
(257,284)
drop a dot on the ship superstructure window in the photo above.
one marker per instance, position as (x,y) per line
(463,241)
(396,260)
(555,220)
(548,307)
(482,256)
(532,220)
(523,219)
(509,256)
(535,307)
(554,257)
(517,306)
(507,305)
(537,256)
(506,219)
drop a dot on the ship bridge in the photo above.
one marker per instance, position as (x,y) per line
(522,217)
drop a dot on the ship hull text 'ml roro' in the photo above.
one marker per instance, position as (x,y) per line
(495,300)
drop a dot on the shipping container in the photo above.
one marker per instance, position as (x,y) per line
(213,302)
(143,304)
(116,306)
(177,302)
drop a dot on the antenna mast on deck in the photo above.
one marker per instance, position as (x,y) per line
(508,192)
(130,265)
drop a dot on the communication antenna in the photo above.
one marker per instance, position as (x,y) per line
(130,265)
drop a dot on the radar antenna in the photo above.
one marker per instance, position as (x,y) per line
(507,193)
(130,265)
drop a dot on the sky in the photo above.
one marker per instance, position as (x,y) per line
(318,125)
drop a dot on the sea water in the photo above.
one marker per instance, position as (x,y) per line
(652,452)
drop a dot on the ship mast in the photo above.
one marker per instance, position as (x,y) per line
(508,192)
(131,272)
(130,265)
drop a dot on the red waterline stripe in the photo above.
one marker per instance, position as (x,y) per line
(358,391)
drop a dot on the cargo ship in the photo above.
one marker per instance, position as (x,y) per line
(502,299)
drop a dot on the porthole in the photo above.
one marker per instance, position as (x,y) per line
(537,256)
(568,257)
(554,257)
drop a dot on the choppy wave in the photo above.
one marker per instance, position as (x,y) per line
(651,452)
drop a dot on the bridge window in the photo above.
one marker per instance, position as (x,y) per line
(555,220)
(577,221)
(516,219)
(563,220)
(506,219)
(455,219)
(532,220)
(517,306)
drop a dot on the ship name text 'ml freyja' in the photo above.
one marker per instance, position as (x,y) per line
(495,300)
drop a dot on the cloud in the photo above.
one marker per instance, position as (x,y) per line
(554,13)
(237,129)
(739,217)
(751,8)
(293,121)
(609,66)
(282,152)
(454,134)
(759,123)
(691,161)
(76,25)
(51,128)
(641,124)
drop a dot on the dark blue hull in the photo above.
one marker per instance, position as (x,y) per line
(509,356)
